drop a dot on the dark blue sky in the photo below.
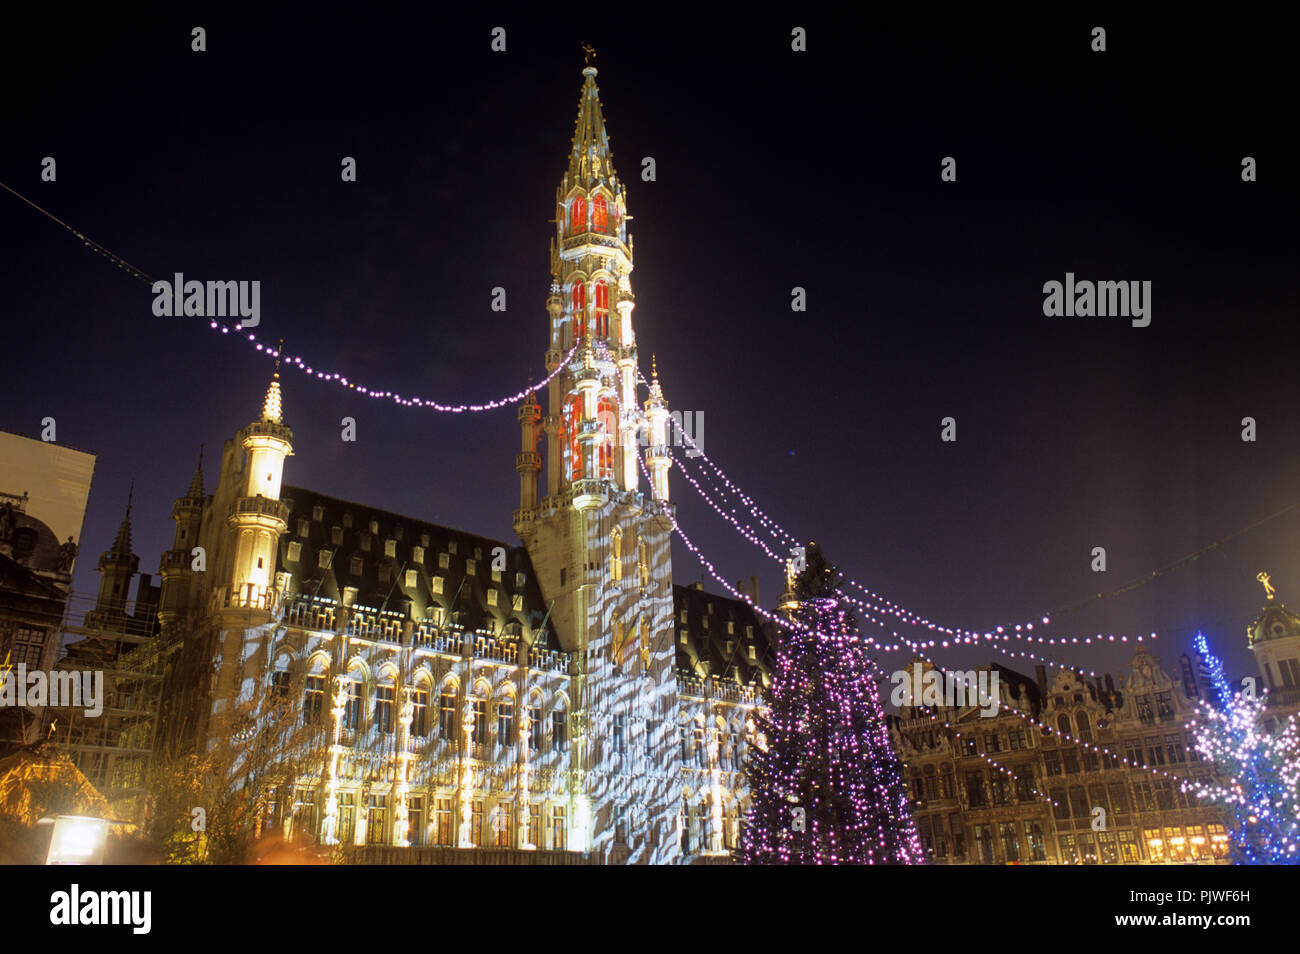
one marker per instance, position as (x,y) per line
(775,169)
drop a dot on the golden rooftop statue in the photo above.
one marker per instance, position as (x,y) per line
(588,55)
(1268,587)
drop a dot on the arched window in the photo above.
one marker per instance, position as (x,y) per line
(572,424)
(605,455)
(578,302)
(602,310)
(599,215)
(1085,727)
(578,215)
(1063,723)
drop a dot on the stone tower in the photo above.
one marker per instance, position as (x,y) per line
(599,543)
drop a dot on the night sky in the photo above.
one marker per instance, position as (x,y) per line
(774,169)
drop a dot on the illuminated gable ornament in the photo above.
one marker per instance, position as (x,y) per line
(1268,586)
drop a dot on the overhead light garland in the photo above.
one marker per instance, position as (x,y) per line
(1019,631)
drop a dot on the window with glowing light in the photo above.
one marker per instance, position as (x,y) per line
(1129,852)
(505,723)
(572,425)
(443,823)
(377,820)
(602,309)
(1010,840)
(535,825)
(479,728)
(447,715)
(1069,851)
(608,419)
(420,712)
(415,820)
(347,818)
(504,823)
(559,730)
(577,215)
(352,705)
(384,696)
(476,824)
(599,214)
(313,702)
(559,838)
(578,310)
(1037,851)
(537,730)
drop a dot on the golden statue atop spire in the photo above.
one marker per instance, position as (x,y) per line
(588,55)
(1268,587)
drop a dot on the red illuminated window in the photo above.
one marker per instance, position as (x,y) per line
(572,425)
(602,310)
(579,299)
(605,449)
(599,214)
(578,216)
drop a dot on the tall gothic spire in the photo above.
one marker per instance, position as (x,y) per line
(122,542)
(196,482)
(590,160)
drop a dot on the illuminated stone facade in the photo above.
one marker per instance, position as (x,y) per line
(998,789)
(430,687)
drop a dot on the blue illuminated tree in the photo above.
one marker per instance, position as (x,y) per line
(1262,766)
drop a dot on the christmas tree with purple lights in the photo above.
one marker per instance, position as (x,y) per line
(825,784)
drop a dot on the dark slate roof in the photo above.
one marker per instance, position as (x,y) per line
(707,636)
(472,607)
(18,580)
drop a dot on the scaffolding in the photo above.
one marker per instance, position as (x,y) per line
(112,748)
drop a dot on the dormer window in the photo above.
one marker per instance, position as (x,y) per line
(318,512)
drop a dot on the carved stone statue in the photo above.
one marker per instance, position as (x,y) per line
(67,554)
